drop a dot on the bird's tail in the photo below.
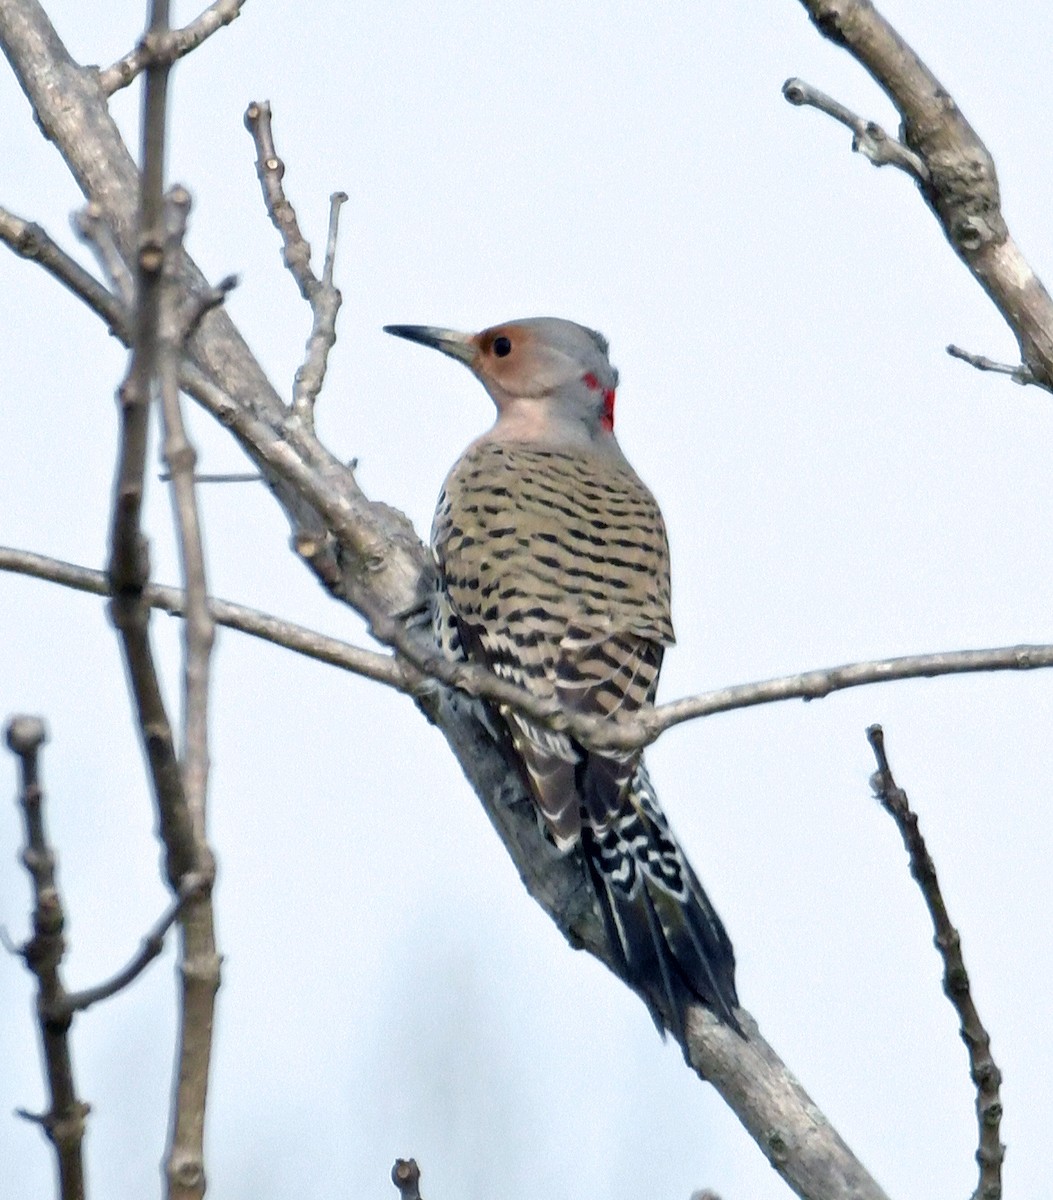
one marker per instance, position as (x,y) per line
(673,948)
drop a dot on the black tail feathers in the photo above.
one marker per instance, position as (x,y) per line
(672,946)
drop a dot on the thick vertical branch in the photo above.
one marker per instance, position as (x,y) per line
(179,791)
(181,460)
(199,962)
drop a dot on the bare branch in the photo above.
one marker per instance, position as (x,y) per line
(814,685)
(195,310)
(405,1175)
(1019,374)
(368,663)
(128,568)
(961,185)
(324,299)
(181,459)
(91,227)
(64,1121)
(296,250)
(179,794)
(868,138)
(151,947)
(982,1068)
(178,43)
(32,242)
(780,1116)
(217,477)
(473,680)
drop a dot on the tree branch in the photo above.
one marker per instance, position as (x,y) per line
(178,43)
(868,138)
(321,295)
(180,460)
(647,726)
(982,1068)
(64,1121)
(152,945)
(959,182)
(370,664)
(1019,374)
(179,793)
(405,1175)
(29,240)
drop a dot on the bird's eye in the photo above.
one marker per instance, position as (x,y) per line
(502,347)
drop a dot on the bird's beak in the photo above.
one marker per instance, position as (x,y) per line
(461,346)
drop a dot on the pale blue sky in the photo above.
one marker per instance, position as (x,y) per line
(835,487)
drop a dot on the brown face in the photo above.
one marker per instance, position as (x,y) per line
(512,360)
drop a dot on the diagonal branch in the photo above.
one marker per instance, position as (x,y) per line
(178,43)
(868,138)
(958,180)
(32,242)
(152,945)
(982,1067)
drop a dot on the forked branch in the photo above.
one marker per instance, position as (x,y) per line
(953,168)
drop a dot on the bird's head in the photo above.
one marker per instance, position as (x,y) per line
(550,379)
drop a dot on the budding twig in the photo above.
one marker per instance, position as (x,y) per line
(982,1067)
(64,1121)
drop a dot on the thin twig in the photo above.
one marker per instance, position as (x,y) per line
(982,1068)
(151,946)
(91,227)
(200,963)
(296,250)
(868,138)
(178,43)
(217,477)
(203,302)
(64,1121)
(324,299)
(1021,373)
(186,852)
(32,242)
(405,1175)
(128,568)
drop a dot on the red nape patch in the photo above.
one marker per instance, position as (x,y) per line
(607,420)
(591,382)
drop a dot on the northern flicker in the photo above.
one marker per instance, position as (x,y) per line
(554,573)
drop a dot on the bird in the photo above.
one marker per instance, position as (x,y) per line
(553,572)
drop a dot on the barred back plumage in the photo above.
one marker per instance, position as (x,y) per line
(554,572)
